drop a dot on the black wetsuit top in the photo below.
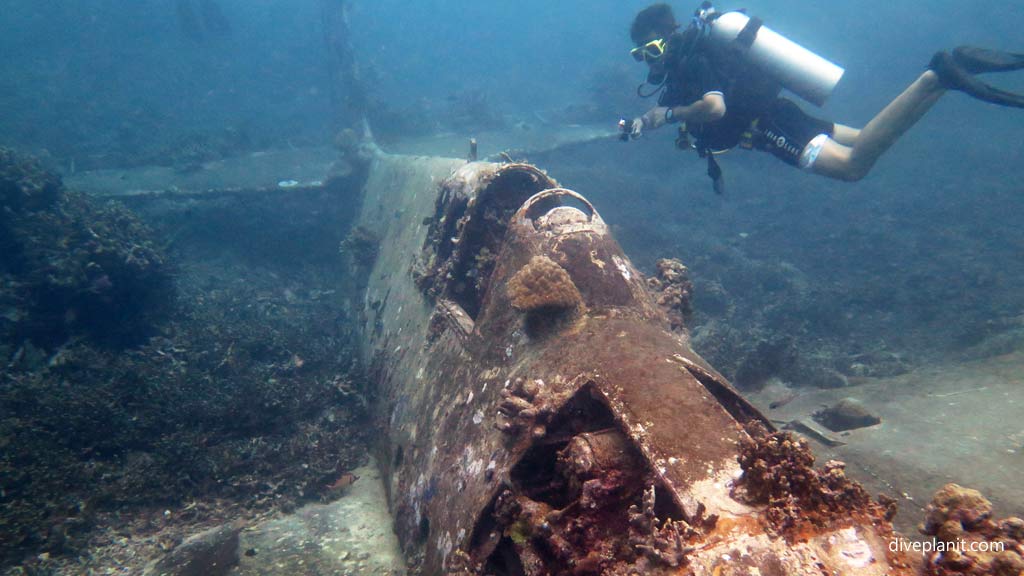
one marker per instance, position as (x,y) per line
(748,94)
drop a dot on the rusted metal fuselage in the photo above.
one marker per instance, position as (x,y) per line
(541,415)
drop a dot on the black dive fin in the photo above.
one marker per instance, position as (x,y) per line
(981,60)
(956,77)
(988,93)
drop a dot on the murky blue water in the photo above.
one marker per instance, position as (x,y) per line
(797,278)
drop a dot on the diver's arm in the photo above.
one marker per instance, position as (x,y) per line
(709,108)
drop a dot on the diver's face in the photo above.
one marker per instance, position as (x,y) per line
(653,53)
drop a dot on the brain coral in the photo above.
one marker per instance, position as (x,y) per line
(543,284)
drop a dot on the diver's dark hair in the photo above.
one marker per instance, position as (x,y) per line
(656,18)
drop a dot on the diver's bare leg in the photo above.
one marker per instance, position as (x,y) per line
(845,135)
(853,161)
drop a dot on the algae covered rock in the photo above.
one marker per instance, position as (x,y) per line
(846,414)
(74,267)
(25,186)
(210,553)
(142,401)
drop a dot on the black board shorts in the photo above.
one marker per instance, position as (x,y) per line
(785,130)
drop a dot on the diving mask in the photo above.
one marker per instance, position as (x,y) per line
(650,52)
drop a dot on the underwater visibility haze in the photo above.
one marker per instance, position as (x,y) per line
(352,287)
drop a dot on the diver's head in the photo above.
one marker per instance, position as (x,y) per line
(651,32)
(655,21)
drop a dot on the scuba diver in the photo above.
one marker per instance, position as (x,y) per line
(720,78)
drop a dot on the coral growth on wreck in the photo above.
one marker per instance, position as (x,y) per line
(778,471)
(961,518)
(543,285)
(672,289)
(581,499)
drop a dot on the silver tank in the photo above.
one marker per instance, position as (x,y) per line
(798,69)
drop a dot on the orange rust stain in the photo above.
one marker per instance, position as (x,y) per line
(728,525)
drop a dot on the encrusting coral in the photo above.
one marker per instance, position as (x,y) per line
(778,470)
(961,518)
(543,285)
(673,290)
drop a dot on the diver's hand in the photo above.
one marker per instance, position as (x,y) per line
(636,128)
(653,118)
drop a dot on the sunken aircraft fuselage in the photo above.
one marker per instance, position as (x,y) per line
(543,413)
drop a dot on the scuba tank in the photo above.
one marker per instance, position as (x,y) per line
(794,67)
